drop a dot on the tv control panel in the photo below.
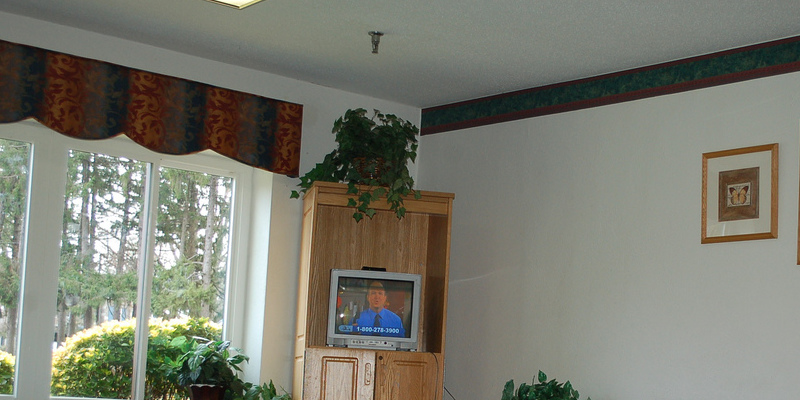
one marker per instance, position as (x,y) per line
(367,343)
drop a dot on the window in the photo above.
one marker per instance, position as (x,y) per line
(113,229)
(13,200)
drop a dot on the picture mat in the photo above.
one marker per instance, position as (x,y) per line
(716,228)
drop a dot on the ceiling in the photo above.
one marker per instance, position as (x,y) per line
(433,52)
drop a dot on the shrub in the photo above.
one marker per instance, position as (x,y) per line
(98,362)
(6,373)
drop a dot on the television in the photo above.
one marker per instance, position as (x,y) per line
(374,309)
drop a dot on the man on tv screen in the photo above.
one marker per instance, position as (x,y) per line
(377,320)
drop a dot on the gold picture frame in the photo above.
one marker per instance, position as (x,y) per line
(740,194)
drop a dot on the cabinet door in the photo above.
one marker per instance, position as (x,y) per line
(339,374)
(405,375)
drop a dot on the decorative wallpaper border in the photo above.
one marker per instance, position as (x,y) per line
(751,62)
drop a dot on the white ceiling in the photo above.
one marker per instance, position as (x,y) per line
(435,51)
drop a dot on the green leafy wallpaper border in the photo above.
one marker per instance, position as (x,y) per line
(756,61)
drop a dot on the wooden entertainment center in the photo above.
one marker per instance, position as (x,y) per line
(419,244)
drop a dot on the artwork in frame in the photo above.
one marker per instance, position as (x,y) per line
(740,194)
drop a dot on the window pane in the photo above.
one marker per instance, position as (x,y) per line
(95,324)
(14,164)
(192,245)
(191,262)
(98,276)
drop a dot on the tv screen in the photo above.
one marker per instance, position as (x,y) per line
(374,309)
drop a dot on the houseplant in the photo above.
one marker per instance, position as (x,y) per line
(372,158)
(266,391)
(543,390)
(209,368)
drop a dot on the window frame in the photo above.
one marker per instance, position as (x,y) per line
(46,187)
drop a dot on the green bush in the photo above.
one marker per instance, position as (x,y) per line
(6,373)
(98,362)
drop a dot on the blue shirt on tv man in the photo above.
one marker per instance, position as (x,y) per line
(377,320)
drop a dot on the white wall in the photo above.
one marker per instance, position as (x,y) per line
(576,250)
(270,309)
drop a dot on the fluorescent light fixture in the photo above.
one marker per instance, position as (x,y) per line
(238,4)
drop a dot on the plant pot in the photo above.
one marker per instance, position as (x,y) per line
(369,168)
(206,392)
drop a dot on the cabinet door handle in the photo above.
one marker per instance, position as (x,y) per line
(367,373)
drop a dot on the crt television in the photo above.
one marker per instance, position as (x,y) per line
(356,295)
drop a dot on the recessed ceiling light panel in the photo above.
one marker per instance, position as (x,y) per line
(238,4)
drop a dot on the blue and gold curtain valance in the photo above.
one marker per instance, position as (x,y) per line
(90,99)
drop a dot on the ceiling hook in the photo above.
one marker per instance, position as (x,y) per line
(376,40)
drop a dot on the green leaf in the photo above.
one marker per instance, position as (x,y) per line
(378,192)
(542,377)
(178,341)
(508,391)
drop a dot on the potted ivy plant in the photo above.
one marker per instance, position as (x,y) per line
(371,157)
(542,390)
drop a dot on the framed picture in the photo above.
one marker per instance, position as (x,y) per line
(740,194)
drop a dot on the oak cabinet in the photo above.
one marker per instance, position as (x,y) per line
(419,244)
(333,374)
(405,375)
(358,374)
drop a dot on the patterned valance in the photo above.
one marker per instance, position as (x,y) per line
(90,99)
